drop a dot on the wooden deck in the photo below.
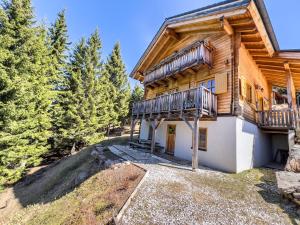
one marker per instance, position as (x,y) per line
(285,119)
(197,101)
(194,55)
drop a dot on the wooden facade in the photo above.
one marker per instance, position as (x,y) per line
(233,52)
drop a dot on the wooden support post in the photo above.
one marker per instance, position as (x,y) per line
(195,136)
(131,129)
(270,87)
(291,92)
(195,144)
(155,124)
(153,136)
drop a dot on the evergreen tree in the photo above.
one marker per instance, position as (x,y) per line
(136,96)
(24,90)
(58,47)
(115,69)
(82,116)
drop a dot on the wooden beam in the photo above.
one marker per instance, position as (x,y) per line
(191,71)
(210,18)
(241,22)
(170,32)
(261,28)
(289,55)
(246,29)
(187,123)
(291,92)
(271,67)
(195,136)
(226,26)
(200,28)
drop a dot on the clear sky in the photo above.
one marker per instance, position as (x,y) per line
(135,22)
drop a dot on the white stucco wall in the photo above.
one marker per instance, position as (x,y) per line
(253,147)
(144,130)
(233,144)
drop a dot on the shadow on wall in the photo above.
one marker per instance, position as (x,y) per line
(257,143)
(269,192)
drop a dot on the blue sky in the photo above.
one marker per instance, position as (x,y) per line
(135,22)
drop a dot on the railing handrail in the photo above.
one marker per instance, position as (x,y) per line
(199,98)
(278,118)
(197,53)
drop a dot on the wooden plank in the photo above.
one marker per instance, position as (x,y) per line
(195,137)
(226,26)
(261,28)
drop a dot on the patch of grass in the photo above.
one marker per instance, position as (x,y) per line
(95,201)
(255,176)
(123,140)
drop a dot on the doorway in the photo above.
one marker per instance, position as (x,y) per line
(171,135)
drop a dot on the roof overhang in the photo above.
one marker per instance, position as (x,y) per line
(212,14)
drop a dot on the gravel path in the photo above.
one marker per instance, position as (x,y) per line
(178,196)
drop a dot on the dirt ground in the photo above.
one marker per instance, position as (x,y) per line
(75,190)
(176,195)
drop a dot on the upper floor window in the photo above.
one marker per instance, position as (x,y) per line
(210,85)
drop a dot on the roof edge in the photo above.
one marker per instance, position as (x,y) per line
(267,22)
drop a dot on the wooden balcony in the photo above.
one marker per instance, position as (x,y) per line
(197,101)
(284,119)
(193,56)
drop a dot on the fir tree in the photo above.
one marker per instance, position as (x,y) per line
(58,47)
(82,115)
(115,69)
(24,90)
(136,96)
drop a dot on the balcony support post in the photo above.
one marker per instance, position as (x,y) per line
(195,144)
(155,124)
(132,127)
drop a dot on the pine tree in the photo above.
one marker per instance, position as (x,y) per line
(59,45)
(116,71)
(24,90)
(83,104)
(136,96)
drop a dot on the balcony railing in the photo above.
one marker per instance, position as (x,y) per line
(200,99)
(279,119)
(195,54)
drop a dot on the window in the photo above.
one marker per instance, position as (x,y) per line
(210,85)
(202,139)
(240,87)
(249,97)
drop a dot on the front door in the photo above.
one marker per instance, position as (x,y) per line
(171,134)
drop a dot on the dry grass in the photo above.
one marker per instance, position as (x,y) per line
(95,201)
(50,195)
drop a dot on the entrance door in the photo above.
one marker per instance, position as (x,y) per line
(171,134)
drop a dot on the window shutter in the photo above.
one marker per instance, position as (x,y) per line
(221,83)
(244,87)
(253,95)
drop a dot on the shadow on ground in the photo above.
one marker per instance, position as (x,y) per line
(58,179)
(269,192)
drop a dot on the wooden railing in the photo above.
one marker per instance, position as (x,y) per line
(200,99)
(285,118)
(195,54)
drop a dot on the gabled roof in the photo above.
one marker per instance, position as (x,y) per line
(207,10)
(218,8)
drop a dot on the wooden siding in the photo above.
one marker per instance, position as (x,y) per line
(222,60)
(250,74)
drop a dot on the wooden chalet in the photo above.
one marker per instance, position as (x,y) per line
(212,65)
